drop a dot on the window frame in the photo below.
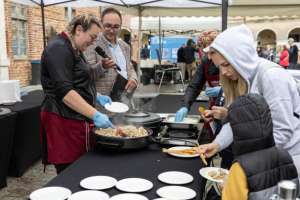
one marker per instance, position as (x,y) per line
(20,24)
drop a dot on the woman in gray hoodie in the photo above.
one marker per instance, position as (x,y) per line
(242,72)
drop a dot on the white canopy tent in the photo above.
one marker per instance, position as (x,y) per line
(136,7)
(171,23)
(181,7)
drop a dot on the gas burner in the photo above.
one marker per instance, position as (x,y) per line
(182,134)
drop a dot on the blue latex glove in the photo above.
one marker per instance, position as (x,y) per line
(103,99)
(102,121)
(213,91)
(181,114)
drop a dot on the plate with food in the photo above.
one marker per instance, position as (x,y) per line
(214,174)
(182,151)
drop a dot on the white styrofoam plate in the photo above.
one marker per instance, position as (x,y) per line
(176,192)
(175,177)
(50,193)
(98,182)
(182,155)
(206,170)
(89,195)
(128,196)
(116,107)
(134,185)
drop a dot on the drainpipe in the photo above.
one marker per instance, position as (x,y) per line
(4,61)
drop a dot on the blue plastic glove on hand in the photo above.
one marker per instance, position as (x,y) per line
(213,91)
(181,114)
(102,121)
(103,99)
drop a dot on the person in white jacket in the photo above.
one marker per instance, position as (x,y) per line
(235,54)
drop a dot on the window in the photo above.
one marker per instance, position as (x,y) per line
(19,30)
(73,13)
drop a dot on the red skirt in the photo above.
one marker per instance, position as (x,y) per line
(66,139)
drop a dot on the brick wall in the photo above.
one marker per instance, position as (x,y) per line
(20,69)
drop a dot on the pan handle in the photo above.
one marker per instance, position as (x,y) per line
(112,144)
(152,139)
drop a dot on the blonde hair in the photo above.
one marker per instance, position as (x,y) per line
(233,88)
(85,20)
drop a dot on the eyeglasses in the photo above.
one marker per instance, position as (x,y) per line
(92,36)
(111,26)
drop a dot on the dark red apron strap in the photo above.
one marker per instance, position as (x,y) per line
(212,80)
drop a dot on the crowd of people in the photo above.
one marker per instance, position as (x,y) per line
(286,55)
(253,114)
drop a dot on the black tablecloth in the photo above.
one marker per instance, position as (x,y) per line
(146,163)
(7,127)
(32,100)
(26,145)
(170,104)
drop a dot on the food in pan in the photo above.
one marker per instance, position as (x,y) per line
(122,131)
(217,174)
(186,120)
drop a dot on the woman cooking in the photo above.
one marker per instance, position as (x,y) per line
(242,72)
(68,108)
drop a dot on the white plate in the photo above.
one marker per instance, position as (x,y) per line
(175,177)
(128,196)
(160,199)
(116,107)
(134,185)
(89,195)
(50,193)
(176,192)
(98,182)
(182,155)
(205,173)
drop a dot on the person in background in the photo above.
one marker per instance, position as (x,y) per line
(145,52)
(67,111)
(181,61)
(189,58)
(259,165)
(284,57)
(293,54)
(208,73)
(259,51)
(118,52)
(240,73)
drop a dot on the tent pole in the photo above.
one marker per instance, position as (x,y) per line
(224,14)
(159,37)
(43,22)
(162,43)
(140,37)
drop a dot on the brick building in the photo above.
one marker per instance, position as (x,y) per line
(24,39)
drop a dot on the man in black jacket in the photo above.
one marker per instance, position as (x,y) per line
(181,61)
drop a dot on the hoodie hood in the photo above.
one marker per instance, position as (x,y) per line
(236,44)
(251,122)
